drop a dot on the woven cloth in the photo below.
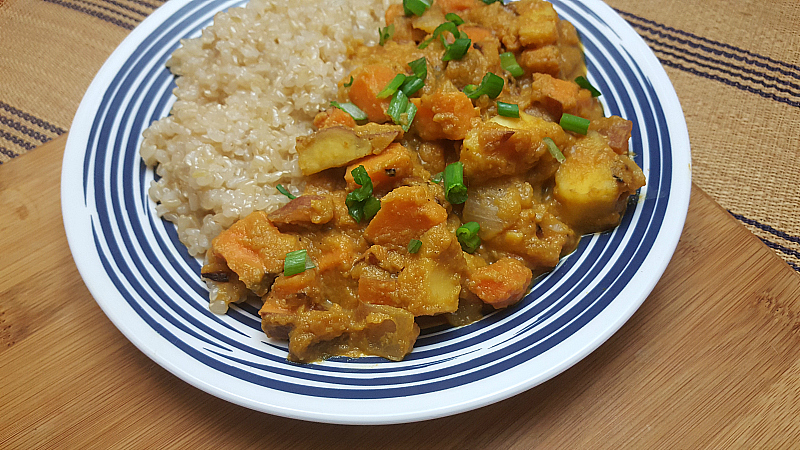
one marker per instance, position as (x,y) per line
(735,66)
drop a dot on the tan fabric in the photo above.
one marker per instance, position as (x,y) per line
(735,66)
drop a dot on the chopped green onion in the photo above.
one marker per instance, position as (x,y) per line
(285,192)
(467,236)
(401,110)
(574,123)
(425,43)
(551,145)
(489,2)
(509,62)
(349,83)
(454,189)
(453,17)
(457,49)
(416,7)
(397,106)
(584,83)
(385,33)
(414,245)
(420,68)
(371,207)
(355,112)
(296,262)
(491,85)
(357,200)
(469,89)
(411,85)
(438,178)
(407,117)
(508,109)
(392,87)
(450,27)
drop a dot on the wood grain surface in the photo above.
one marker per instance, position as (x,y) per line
(711,360)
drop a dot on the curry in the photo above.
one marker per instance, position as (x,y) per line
(431,195)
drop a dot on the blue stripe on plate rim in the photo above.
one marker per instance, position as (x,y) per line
(158,299)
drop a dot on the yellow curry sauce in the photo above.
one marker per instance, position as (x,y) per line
(370,282)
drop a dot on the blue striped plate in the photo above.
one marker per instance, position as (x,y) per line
(145,281)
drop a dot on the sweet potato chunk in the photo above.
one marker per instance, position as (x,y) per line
(386,170)
(254,249)
(306,210)
(330,147)
(444,115)
(405,214)
(538,23)
(368,81)
(501,284)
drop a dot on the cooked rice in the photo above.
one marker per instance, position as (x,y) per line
(247,87)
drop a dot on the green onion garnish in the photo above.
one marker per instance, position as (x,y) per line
(467,235)
(411,85)
(450,27)
(509,62)
(416,7)
(401,110)
(491,85)
(469,89)
(551,145)
(297,262)
(397,106)
(453,17)
(454,189)
(508,109)
(584,83)
(414,245)
(392,87)
(285,192)
(420,68)
(489,2)
(371,207)
(349,83)
(355,112)
(385,33)
(438,178)
(574,123)
(425,43)
(457,49)
(357,200)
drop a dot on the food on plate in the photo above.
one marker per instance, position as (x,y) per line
(460,154)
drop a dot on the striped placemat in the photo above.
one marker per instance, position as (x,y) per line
(736,72)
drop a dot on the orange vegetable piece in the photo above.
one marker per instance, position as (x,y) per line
(477,33)
(405,214)
(332,118)
(384,169)
(501,284)
(444,115)
(368,81)
(457,6)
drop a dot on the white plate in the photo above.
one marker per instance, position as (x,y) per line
(147,284)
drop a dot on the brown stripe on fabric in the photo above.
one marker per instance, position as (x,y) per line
(717,61)
(22,129)
(30,118)
(93,13)
(126,16)
(127,8)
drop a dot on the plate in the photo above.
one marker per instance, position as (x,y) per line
(147,284)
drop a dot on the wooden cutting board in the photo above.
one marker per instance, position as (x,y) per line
(712,358)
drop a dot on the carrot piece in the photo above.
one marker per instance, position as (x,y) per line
(368,81)
(477,33)
(456,6)
(557,95)
(501,284)
(406,213)
(444,115)
(333,117)
(384,169)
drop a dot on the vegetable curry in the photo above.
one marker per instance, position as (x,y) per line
(466,155)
